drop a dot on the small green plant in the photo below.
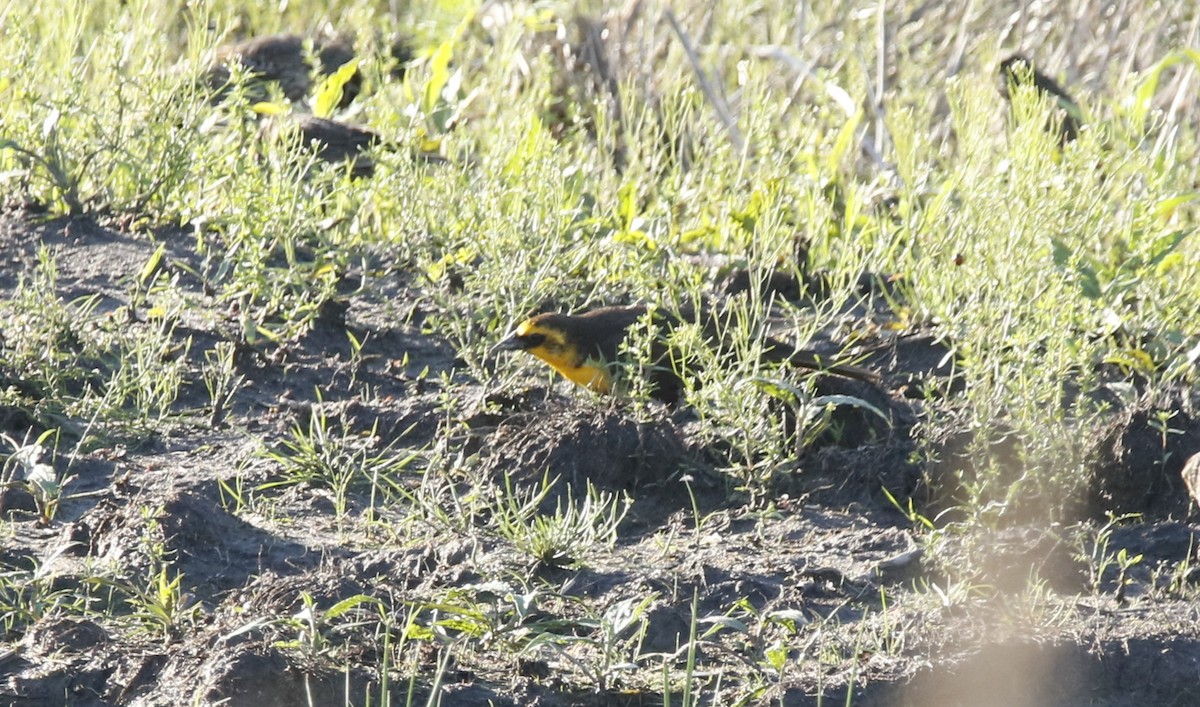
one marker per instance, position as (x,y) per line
(157,598)
(1125,562)
(221,379)
(159,603)
(141,286)
(165,603)
(1161,421)
(698,518)
(496,616)
(234,496)
(24,467)
(1180,577)
(315,629)
(141,390)
(915,518)
(614,642)
(48,341)
(440,502)
(357,357)
(1095,554)
(688,698)
(571,535)
(49,162)
(318,455)
(29,594)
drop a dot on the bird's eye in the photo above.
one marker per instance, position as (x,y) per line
(532,341)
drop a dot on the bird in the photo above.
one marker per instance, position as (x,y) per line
(1018,70)
(283,59)
(334,141)
(586,348)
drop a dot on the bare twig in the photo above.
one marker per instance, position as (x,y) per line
(880,75)
(595,53)
(871,148)
(718,102)
(804,72)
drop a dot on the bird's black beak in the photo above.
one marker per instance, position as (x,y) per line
(512,342)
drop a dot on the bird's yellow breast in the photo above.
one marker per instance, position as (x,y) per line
(586,374)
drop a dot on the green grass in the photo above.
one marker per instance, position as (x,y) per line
(1057,276)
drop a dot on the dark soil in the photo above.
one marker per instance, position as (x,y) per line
(828,551)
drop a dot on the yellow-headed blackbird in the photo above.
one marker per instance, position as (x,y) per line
(1017,70)
(586,348)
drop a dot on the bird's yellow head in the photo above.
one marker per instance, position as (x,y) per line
(549,337)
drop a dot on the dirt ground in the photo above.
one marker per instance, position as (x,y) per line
(830,549)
